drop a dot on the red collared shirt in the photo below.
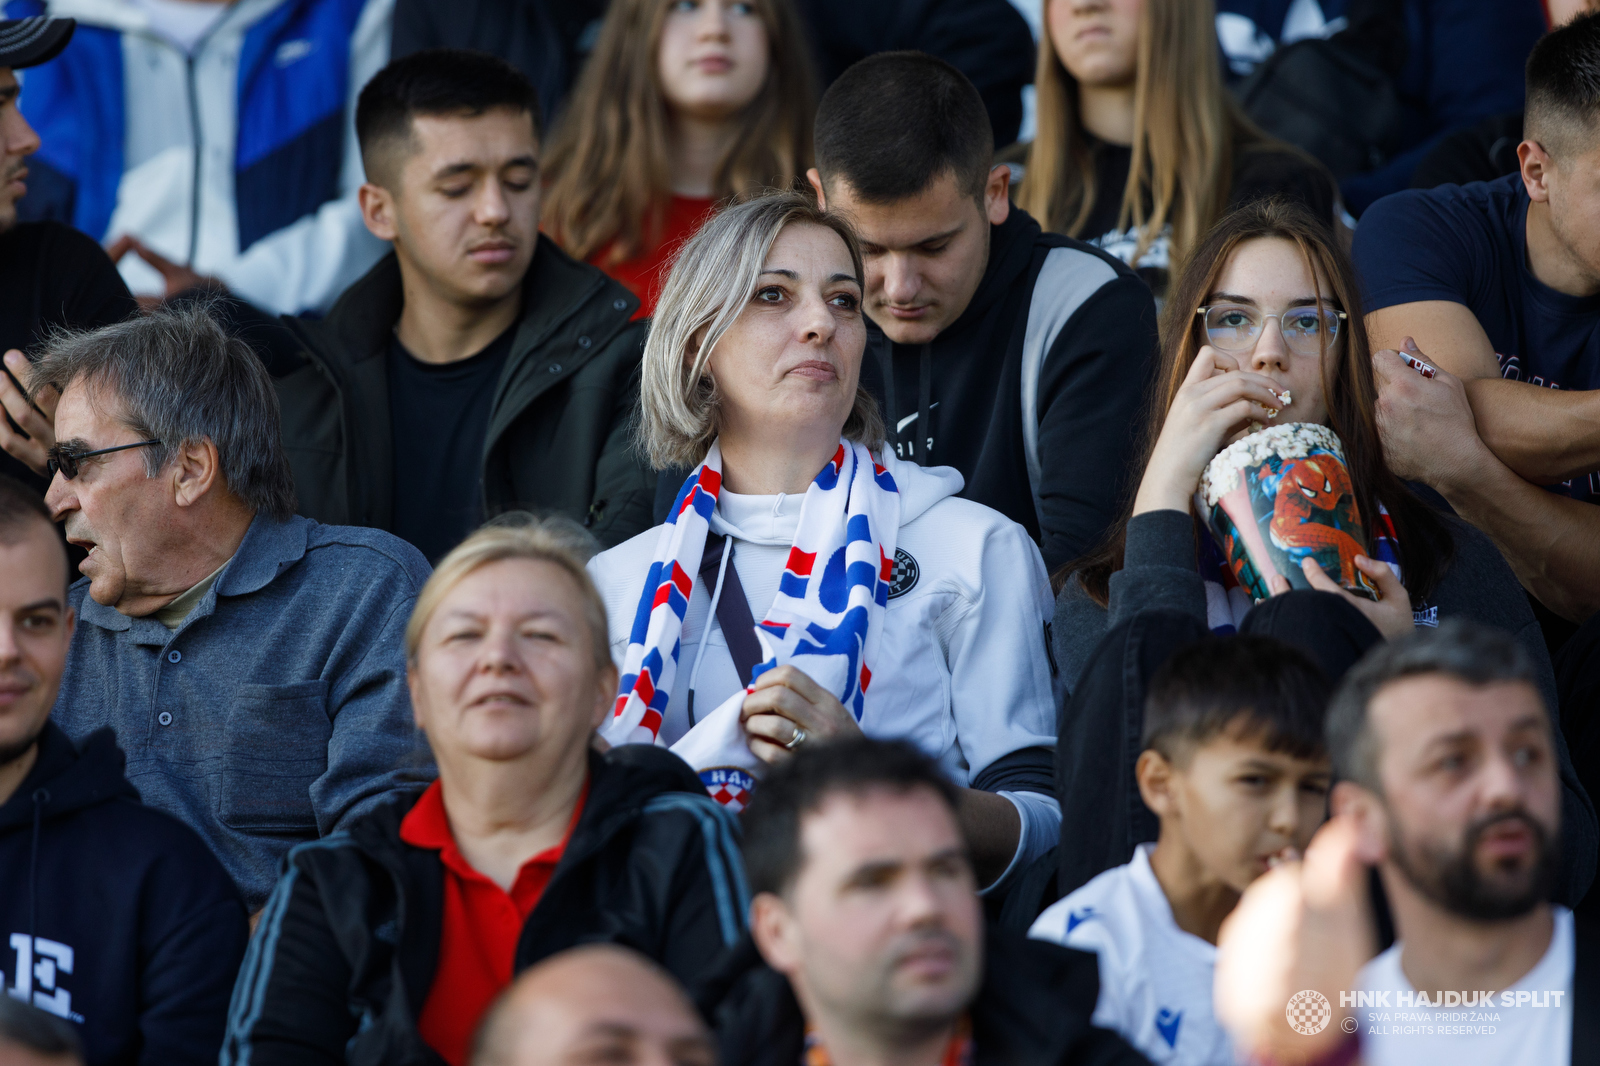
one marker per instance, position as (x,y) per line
(482,923)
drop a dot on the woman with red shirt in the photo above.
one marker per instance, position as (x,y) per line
(683,104)
(388,943)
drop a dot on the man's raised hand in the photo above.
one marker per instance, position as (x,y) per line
(35,418)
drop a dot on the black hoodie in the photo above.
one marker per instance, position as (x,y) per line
(114,915)
(1036,392)
(1033,1009)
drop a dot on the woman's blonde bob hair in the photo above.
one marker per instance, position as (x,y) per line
(558,541)
(713,278)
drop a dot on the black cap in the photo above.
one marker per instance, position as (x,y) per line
(31,41)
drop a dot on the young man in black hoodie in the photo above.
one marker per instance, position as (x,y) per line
(478,368)
(1019,357)
(112,915)
(867,935)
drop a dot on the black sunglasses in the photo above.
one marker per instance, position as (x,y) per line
(66,462)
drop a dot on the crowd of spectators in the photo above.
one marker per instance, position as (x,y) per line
(660,531)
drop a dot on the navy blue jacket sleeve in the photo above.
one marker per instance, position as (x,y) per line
(191,938)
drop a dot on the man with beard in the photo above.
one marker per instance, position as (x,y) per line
(867,935)
(113,917)
(1449,789)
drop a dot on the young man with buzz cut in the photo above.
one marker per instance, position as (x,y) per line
(476,368)
(1019,357)
(1497,284)
(114,917)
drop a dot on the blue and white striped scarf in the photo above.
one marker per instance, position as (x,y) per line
(825,620)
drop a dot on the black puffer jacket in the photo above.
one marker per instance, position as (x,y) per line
(114,915)
(558,434)
(1033,1009)
(348,943)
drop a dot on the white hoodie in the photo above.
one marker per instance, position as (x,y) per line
(963,670)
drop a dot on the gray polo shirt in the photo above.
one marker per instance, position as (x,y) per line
(278,710)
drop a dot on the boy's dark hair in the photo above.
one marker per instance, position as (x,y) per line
(896,121)
(25,1026)
(19,505)
(436,81)
(1250,686)
(1563,74)
(820,769)
(1471,653)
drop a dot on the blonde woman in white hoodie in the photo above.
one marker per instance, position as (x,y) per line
(859,594)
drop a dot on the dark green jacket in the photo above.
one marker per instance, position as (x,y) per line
(559,426)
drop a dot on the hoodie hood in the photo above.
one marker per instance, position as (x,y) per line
(920,488)
(66,779)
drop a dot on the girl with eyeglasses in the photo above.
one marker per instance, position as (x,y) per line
(1263,327)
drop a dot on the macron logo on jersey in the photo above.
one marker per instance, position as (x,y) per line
(1077,918)
(1167,1022)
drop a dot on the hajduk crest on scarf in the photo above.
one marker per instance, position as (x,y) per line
(1227,603)
(826,619)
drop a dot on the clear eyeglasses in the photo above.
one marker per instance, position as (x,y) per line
(1236,328)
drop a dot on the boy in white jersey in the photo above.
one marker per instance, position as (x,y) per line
(1234,766)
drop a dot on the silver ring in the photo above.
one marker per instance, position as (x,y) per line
(795,741)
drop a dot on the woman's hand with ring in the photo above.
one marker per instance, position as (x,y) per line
(786,702)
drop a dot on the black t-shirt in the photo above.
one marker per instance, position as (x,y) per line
(1468,244)
(1257,173)
(439,415)
(52,275)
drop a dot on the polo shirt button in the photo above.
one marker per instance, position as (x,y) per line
(619,304)
(165,718)
(555,368)
(174,656)
(584,342)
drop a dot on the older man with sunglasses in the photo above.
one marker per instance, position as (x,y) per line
(250,661)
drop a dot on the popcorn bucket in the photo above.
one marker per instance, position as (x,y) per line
(1278,496)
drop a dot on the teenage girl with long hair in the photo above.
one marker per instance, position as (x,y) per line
(1140,148)
(1267,306)
(684,104)
(1270,304)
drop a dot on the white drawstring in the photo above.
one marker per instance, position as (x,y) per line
(711,617)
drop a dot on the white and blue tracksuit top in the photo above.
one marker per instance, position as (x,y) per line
(238,158)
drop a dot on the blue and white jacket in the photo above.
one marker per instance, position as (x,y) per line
(238,158)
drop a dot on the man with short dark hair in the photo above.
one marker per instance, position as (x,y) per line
(114,917)
(1020,358)
(596,1003)
(477,368)
(1448,786)
(250,661)
(871,936)
(1497,284)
